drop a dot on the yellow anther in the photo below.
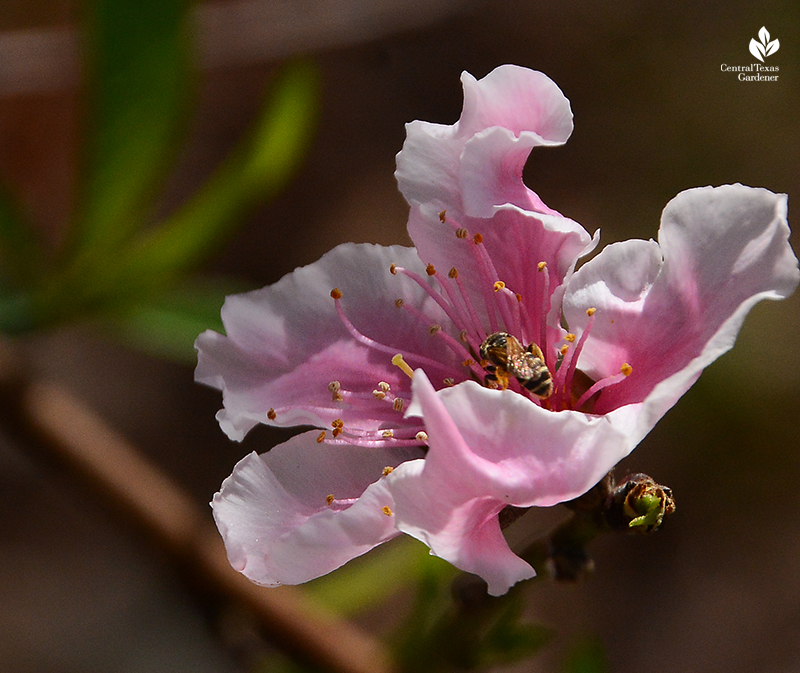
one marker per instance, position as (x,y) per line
(393,269)
(321,437)
(387,511)
(387,470)
(271,415)
(563,350)
(333,386)
(387,434)
(478,238)
(430,270)
(379,394)
(399,303)
(453,273)
(422,436)
(468,362)
(385,387)
(337,423)
(626,369)
(499,285)
(463,335)
(591,311)
(569,337)
(519,297)
(336,293)
(461,233)
(329,499)
(434,328)
(541,266)
(336,432)
(442,217)
(398,361)
(449,381)
(398,404)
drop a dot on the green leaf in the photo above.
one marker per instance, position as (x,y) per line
(257,170)
(587,656)
(509,641)
(375,577)
(166,326)
(138,81)
(20,250)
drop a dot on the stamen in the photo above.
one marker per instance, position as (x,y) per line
(329,499)
(321,437)
(271,415)
(398,404)
(398,361)
(488,278)
(430,270)
(387,434)
(625,372)
(461,233)
(442,217)
(387,511)
(387,470)
(422,436)
(465,297)
(385,387)
(573,363)
(449,381)
(544,308)
(438,298)
(371,343)
(515,326)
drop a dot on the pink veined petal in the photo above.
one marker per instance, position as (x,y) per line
(274,518)
(519,99)
(285,343)
(669,310)
(500,444)
(527,109)
(464,532)
(489,449)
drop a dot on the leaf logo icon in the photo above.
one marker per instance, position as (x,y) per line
(763,48)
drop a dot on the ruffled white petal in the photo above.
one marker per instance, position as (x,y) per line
(274,518)
(285,343)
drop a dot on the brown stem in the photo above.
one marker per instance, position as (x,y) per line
(46,415)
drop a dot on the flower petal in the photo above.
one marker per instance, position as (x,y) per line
(489,449)
(285,343)
(525,102)
(274,518)
(670,309)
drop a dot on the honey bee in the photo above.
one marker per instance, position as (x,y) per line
(505,355)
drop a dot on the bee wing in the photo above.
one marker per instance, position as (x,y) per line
(513,347)
(534,350)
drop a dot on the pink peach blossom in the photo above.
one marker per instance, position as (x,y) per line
(623,337)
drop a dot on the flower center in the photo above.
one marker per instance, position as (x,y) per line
(493,337)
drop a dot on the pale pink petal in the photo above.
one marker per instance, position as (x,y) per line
(669,310)
(285,343)
(274,518)
(510,448)
(489,449)
(528,109)
(464,532)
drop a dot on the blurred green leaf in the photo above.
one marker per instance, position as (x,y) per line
(257,170)
(20,251)
(138,81)
(167,325)
(509,641)
(587,656)
(375,577)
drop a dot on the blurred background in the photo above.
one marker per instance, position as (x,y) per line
(81,590)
